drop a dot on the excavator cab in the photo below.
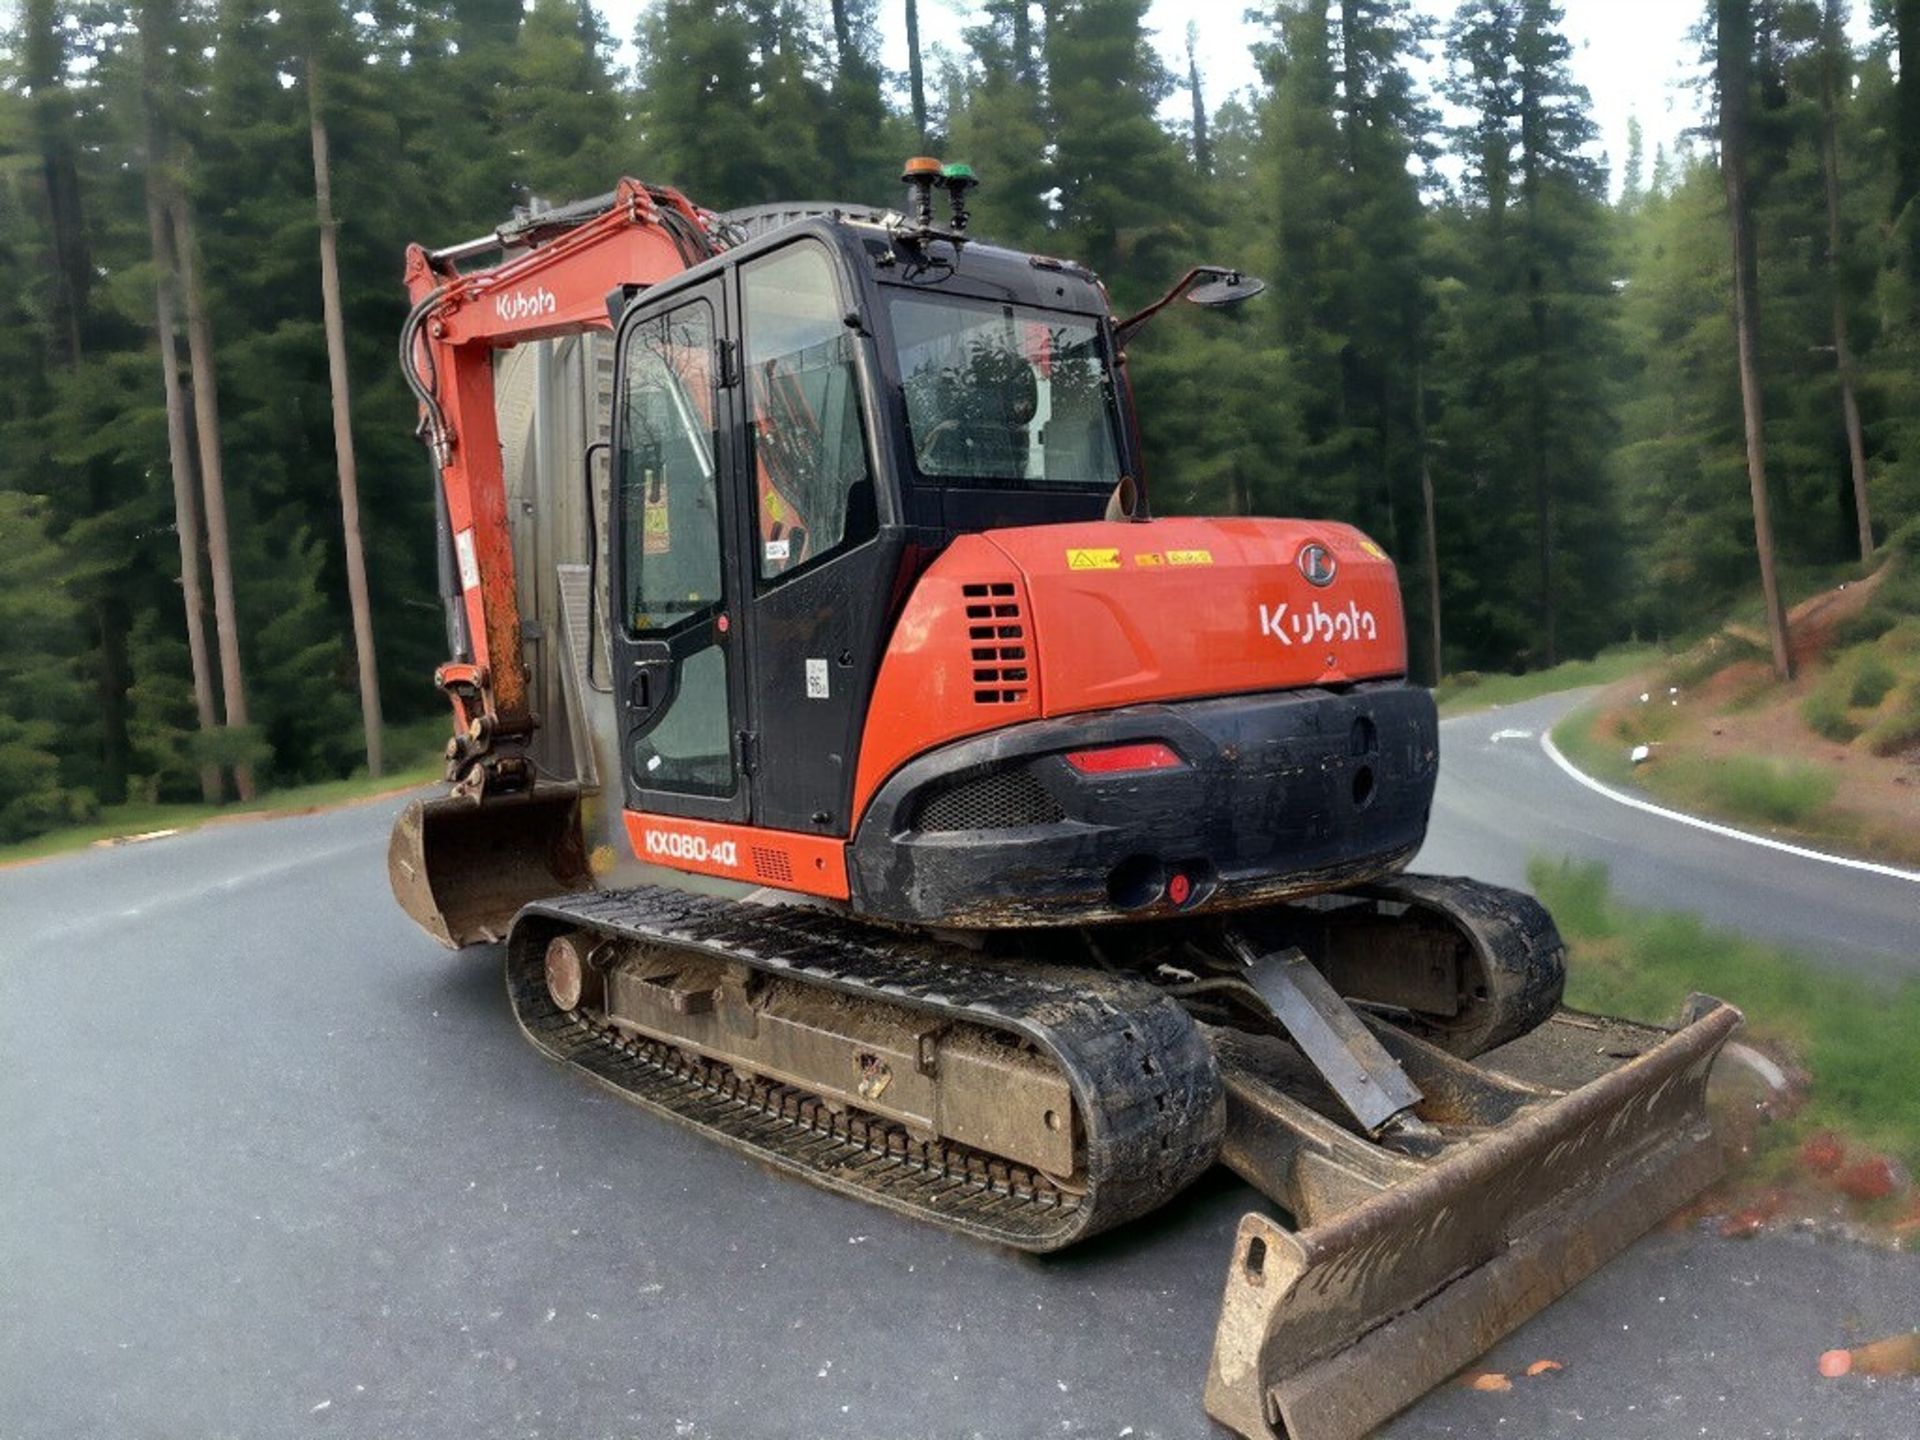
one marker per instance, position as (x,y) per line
(873,615)
(801,426)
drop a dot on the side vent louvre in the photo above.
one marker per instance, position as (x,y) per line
(997,643)
(771,865)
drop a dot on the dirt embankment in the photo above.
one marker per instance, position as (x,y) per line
(1832,756)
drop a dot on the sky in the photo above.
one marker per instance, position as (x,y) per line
(1634,56)
(1631,54)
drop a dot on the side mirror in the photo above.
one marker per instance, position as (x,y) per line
(1229,289)
(1222,288)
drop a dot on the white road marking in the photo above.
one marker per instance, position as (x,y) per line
(1892,872)
(1500,735)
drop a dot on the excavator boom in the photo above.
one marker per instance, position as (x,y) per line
(464,864)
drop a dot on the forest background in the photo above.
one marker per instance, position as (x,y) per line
(1579,409)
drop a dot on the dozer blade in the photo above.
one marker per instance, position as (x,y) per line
(462,869)
(1546,1159)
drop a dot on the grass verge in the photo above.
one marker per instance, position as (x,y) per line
(1855,1040)
(1782,797)
(409,749)
(1471,690)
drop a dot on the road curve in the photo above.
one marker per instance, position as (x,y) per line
(1502,800)
(278,1165)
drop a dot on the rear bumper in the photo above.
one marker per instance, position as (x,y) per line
(1277,795)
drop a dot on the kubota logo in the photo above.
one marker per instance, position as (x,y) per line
(522,305)
(1287,625)
(1317,564)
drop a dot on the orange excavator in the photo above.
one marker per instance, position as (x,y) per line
(856,771)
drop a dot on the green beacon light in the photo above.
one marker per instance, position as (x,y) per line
(957,180)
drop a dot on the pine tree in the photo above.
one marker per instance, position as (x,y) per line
(705,88)
(38,693)
(1832,61)
(1633,186)
(1342,129)
(860,145)
(1199,139)
(157,40)
(561,120)
(213,488)
(314,42)
(1734,37)
(998,125)
(916,77)
(1126,194)
(1527,407)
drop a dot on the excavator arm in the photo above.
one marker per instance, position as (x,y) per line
(556,273)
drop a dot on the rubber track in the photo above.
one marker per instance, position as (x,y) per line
(1523,959)
(1145,1085)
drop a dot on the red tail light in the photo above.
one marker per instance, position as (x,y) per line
(1114,759)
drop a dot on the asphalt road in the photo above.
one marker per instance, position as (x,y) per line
(277,1165)
(1501,801)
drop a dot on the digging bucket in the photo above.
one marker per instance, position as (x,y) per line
(463,868)
(1328,1330)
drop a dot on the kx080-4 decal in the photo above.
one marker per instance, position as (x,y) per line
(675,845)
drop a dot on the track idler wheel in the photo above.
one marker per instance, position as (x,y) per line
(573,979)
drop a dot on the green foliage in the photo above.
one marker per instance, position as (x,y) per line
(1749,787)
(1104,84)
(1529,343)
(1825,710)
(1899,731)
(40,695)
(1872,677)
(1855,1040)
(1562,372)
(1895,599)
(1710,657)
(1469,690)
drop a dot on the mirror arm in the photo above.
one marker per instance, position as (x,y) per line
(1125,330)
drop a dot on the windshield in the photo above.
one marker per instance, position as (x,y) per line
(1001,392)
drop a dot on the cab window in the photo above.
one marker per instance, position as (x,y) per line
(813,488)
(671,520)
(1004,393)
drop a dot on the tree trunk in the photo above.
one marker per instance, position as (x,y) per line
(1432,529)
(842,39)
(1906,138)
(44,54)
(1830,42)
(1538,419)
(186,509)
(1542,475)
(1735,41)
(206,416)
(110,620)
(916,74)
(343,427)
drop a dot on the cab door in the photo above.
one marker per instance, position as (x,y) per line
(678,680)
(816,572)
